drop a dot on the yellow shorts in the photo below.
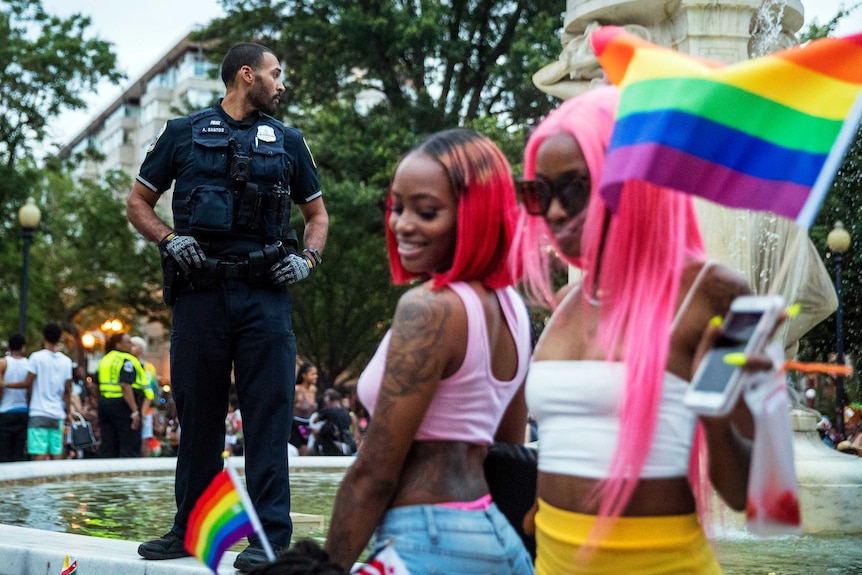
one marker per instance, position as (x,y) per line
(669,545)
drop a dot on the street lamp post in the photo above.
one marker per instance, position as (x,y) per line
(29,217)
(838,241)
(88,340)
(110,326)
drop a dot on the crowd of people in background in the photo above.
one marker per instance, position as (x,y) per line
(335,423)
(45,395)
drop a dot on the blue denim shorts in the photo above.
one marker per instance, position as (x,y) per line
(434,540)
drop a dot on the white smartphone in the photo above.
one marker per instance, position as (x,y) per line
(715,387)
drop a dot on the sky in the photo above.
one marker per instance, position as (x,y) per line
(824,10)
(144,30)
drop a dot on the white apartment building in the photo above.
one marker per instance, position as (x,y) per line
(177,84)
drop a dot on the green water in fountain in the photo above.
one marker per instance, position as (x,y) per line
(140,507)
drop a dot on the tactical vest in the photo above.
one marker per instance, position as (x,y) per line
(109,376)
(237,187)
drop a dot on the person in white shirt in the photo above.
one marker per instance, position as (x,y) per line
(13,405)
(50,384)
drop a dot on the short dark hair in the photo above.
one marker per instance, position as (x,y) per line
(303,369)
(242,54)
(16,342)
(113,340)
(52,332)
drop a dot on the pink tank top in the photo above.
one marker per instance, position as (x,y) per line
(469,405)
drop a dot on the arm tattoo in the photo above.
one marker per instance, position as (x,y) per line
(416,361)
(415,351)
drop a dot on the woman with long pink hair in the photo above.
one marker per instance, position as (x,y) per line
(619,463)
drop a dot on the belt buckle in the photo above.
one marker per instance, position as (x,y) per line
(233,270)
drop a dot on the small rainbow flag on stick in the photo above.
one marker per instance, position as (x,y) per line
(70,566)
(222,516)
(765,134)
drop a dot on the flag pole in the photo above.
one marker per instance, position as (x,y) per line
(249,506)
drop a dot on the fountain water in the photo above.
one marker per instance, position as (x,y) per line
(51,506)
(127,506)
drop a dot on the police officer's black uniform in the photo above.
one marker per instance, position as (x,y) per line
(234,184)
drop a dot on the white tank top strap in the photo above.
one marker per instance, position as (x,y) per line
(691,291)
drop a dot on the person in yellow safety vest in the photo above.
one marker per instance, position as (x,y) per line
(125,393)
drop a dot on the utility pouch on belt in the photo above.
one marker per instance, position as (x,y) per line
(170,279)
(260,261)
(290,242)
(208,275)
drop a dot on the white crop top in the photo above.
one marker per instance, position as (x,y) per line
(575,404)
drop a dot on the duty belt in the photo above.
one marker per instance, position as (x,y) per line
(252,266)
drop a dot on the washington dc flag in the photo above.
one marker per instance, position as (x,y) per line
(384,562)
(764,134)
(222,516)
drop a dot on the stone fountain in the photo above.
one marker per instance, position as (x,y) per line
(755,244)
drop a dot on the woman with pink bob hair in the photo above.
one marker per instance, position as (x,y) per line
(448,378)
(620,456)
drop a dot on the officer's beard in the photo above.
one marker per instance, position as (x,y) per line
(261,99)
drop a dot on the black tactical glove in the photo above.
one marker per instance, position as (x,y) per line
(184,249)
(294,267)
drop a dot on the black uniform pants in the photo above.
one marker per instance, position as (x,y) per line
(245,329)
(117,438)
(13,436)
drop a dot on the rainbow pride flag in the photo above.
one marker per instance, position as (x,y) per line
(222,516)
(765,134)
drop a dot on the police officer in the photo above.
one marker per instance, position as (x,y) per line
(237,169)
(125,394)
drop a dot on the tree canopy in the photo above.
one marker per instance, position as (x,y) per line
(842,203)
(370,78)
(47,64)
(87,264)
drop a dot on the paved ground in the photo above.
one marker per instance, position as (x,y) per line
(26,551)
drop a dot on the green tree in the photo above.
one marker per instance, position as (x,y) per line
(47,64)
(842,203)
(368,79)
(87,263)
(816,30)
(343,312)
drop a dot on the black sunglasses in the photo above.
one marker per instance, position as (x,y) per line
(572,189)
